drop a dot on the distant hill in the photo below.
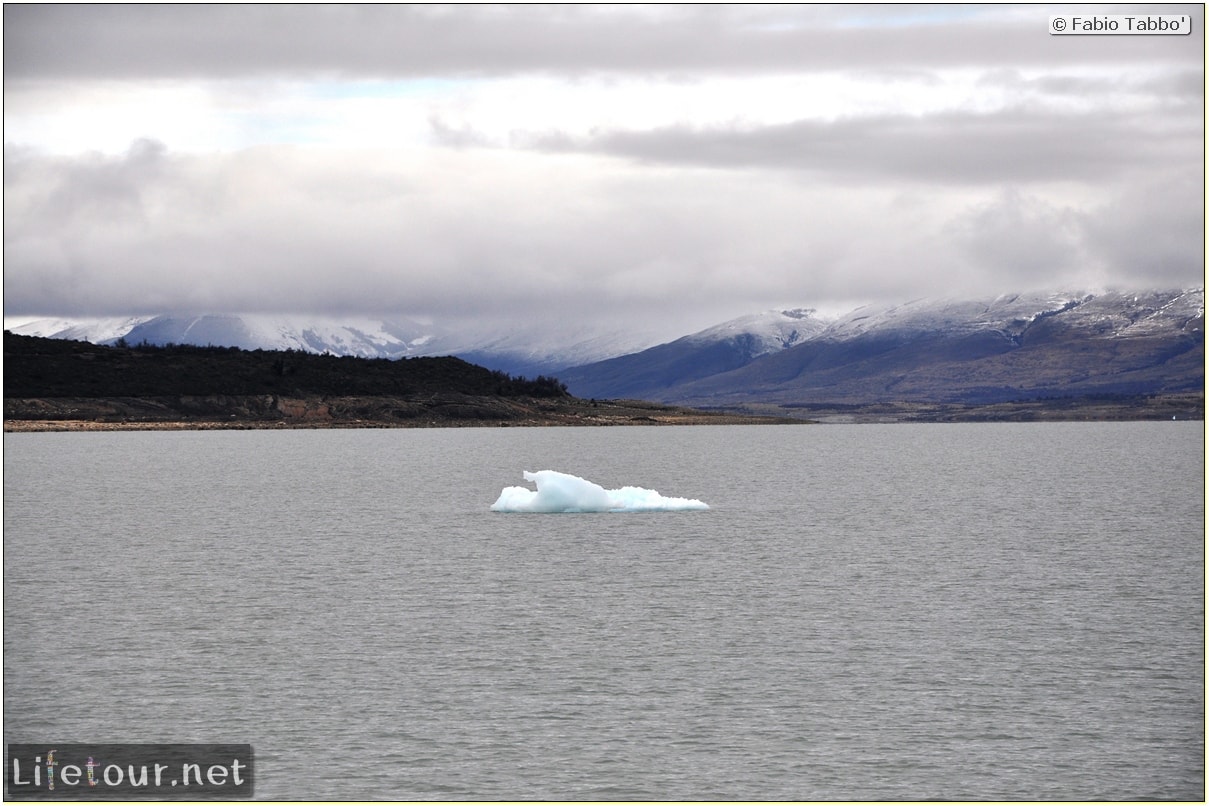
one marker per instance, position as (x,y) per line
(967,352)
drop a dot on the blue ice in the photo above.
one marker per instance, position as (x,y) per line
(562,492)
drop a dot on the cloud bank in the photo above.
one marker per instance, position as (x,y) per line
(615,165)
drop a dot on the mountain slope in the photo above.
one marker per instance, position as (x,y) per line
(713,351)
(980,351)
(538,347)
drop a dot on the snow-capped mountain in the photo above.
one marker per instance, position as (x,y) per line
(1116,312)
(712,351)
(767,332)
(1010,346)
(366,338)
(1000,348)
(530,350)
(97,331)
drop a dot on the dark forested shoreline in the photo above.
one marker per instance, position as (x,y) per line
(54,384)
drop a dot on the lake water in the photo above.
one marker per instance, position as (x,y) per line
(990,611)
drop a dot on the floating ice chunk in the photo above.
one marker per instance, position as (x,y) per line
(562,492)
(556,492)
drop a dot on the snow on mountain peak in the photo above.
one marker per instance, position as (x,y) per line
(770,330)
(95,330)
(357,336)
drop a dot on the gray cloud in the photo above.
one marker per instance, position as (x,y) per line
(1024,238)
(1150,234)
(93,190)
(497,234)
(1013,145)
(1155,231)
(285,230)
(98,41)
(1086,175)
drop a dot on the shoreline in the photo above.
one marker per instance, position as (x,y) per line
(567,417)
(62,426)
(220,413)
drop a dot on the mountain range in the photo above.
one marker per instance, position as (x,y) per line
(530,350)
(967,351)
(972,352)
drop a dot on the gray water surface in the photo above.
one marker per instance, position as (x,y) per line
(999,611)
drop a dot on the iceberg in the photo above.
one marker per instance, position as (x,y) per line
(562,492)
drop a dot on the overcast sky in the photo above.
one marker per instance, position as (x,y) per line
(617,164)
